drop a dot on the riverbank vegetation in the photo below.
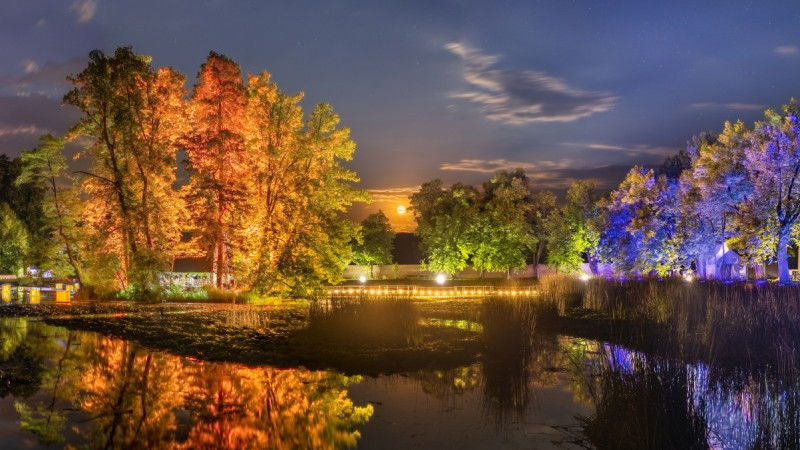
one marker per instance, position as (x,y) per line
(259,195)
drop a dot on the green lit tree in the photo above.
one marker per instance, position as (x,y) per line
(444,223)
(542,206)
(45,166)
(375,243)
(14,241)
(501,235)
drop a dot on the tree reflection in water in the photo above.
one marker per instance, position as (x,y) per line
(130,397)
(647,401)
(515,358)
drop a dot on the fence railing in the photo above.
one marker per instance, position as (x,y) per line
(426,291)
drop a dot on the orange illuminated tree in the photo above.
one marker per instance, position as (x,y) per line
(296,236)
(132,117)
(218,161)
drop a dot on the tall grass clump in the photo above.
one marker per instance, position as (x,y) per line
(641,403)
(561,291)
(719,322)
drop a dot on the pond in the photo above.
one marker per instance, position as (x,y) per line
(397,374)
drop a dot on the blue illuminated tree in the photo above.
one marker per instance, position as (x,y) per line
(773,164)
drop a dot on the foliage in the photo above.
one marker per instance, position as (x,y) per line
(265,194)
(375,245)
(132,115)
(501,235)
(444,222)
(45,167)
(542,206)
(14,241)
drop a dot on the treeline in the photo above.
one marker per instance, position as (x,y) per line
(503,225)
(263,197)
(736,190)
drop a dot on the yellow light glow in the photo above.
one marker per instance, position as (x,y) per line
(401,209)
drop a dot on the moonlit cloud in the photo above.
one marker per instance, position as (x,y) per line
(400,194)
(494,165)
(84,10)
(734,106)
(387,200)
(29,66)
(786,50)
(518,97)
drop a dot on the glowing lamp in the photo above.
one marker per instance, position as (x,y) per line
(362,278)
(440,278)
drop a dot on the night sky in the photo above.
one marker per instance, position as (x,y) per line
(441,89)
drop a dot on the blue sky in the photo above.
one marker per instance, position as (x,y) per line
(441,89)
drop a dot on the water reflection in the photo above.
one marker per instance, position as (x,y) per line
(647,401)
(110,393)
(487,363)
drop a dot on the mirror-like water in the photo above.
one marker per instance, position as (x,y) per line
(399,375)
(80,388)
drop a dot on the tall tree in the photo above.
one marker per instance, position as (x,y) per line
(132,116)
(218,161)
(45,166)
(581,211)
(444,220)
(14,241)
(501,235)
(376,241)
(543,205)
(773,164)
(721,184)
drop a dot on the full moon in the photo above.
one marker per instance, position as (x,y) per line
(401,209)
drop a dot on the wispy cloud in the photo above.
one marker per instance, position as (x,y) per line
(398,195)
(84,10)
(22,130)
(519,97)
(387,200)
(50,77)
(629,150)
(786,50)
(734,106)
(494,165)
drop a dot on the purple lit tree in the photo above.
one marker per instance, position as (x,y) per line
(773,164)
(715,190)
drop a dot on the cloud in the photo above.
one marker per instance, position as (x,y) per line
(84,10)
(50,78)
(519,97)
(393,195)
(786,50)
(734,106)
(29,66)
(387,200)
(22,129)
(494,165)
(631,150)
(24,118)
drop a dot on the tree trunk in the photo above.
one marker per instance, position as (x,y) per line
(758,271)
(783,258)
